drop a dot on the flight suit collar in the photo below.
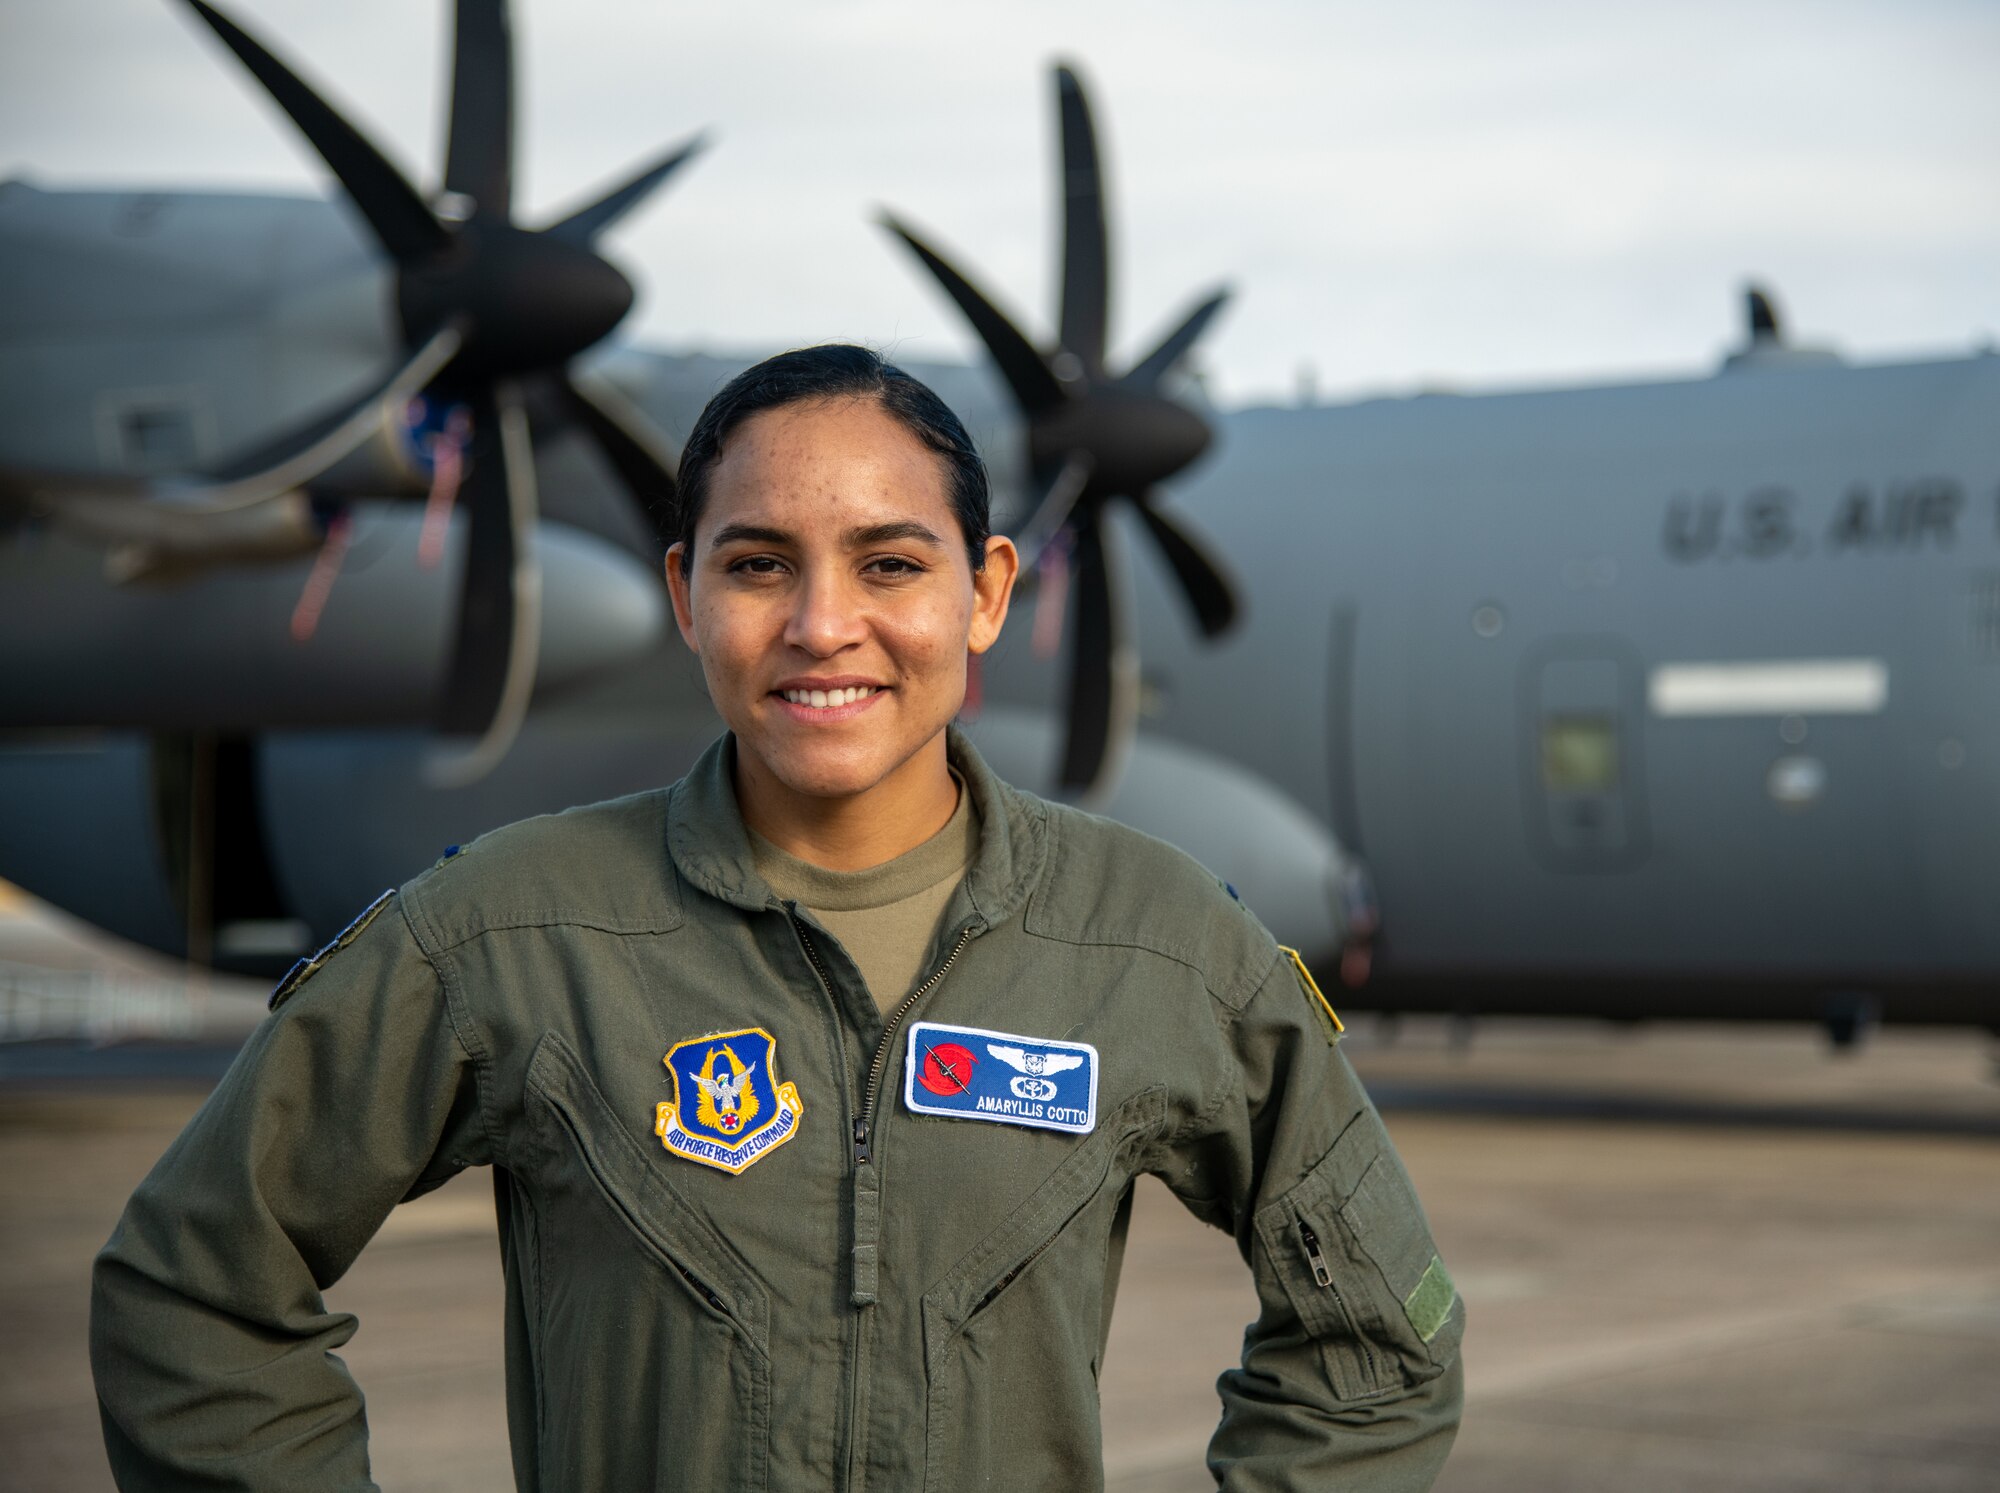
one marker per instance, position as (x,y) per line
(710,846)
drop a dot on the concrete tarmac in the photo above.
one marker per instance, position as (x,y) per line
(1693,1257)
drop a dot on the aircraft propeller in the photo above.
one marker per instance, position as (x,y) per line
(518,304)
(1095,437)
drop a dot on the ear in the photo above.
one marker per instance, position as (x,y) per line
(677,588)
(992,590)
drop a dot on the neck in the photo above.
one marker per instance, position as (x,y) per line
(852,833)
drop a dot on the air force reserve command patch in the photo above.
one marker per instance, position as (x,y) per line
(728,1110)
(967,1073)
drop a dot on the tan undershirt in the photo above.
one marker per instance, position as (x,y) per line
(887,916)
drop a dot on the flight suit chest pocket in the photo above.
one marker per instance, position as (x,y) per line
(1012,1334)
(651,1334)
(1353,1253)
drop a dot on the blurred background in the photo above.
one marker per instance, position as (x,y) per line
(1515,490)
(1451,194)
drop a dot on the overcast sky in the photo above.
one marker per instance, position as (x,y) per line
(1459,193)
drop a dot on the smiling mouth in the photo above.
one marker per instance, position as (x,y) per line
(828,699)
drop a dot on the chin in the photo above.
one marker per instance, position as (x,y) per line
(825,774)
(837,771)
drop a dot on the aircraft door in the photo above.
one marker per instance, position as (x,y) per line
(1586,806)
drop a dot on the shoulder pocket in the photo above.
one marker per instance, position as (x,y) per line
(1353,1251)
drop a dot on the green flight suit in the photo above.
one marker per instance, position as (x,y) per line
(931,1316)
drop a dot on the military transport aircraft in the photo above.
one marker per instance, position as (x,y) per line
(1664,700)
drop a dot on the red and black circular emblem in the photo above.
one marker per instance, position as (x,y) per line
(947,1068)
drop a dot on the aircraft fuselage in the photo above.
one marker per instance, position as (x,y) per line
(1676,698)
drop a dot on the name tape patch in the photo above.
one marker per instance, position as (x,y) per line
(969,1073)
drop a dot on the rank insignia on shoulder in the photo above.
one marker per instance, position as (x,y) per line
(1310,987)
(728,1109)
(309,966)
(969,1073)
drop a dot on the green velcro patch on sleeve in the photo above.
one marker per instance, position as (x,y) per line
(1429,1305)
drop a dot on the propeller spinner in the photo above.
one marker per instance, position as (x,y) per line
(1095,437)
(517,304)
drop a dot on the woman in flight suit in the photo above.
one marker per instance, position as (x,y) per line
(814,1085)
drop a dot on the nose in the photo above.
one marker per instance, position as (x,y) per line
(827,615)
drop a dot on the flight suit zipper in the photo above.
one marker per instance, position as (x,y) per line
(867,1200)
(864,1117)
(862,1121)
(856,1347)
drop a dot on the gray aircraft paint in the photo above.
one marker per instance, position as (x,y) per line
(246,312)
(1408,517)
(214,652)
(1609,531)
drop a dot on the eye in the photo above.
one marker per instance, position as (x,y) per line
(756,565)
(895,565)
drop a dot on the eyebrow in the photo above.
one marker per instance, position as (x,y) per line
(904,529)
(861,538)
(748,533)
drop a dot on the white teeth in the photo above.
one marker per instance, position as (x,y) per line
(827,699)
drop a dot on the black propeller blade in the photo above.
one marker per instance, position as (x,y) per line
(1200,573)
(631,445)
(1104,670)
(1148,372)
(1060,492)
(518,303)
(1086,276)
(404,225)
(1036,387)
(479,148)
(294,458)
(586,223)
(1095,437)
(492,671)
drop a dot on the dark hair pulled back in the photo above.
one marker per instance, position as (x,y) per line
(835,371)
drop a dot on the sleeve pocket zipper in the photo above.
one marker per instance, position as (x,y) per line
(1323,1276)
(1314,1258)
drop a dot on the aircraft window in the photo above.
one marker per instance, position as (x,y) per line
(1580,753)
(158,437)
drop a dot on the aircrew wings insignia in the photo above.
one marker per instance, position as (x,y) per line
(1037,1064)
